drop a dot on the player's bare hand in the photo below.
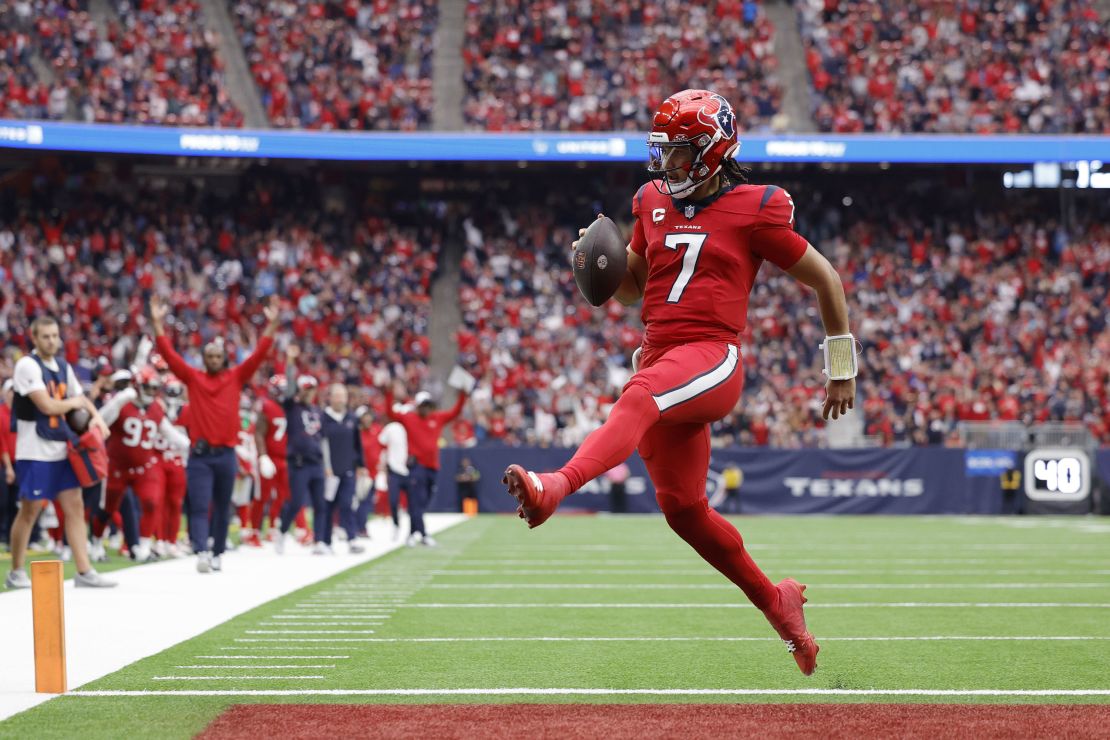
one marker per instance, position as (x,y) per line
(840,395)
(272,311)
(159,309)
(9,475)
(97,422)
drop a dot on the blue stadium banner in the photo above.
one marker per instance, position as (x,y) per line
(595,147)
(989,463)
(916,480)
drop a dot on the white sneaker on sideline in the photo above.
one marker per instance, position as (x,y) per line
(429,541)
(396,532)
(204,562)
(355,548)
(217,564)
(92,579)
(18,579)
(321,548)
(279,544)
(413,540)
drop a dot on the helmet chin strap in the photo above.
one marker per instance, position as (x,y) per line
(678,190)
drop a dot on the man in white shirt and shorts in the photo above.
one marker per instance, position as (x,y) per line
(46,389)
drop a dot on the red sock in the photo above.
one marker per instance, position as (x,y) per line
(718,542)
(610,444)
(244,517)
(300,520)
(258,511)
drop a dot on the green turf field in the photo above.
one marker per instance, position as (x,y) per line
(627,605)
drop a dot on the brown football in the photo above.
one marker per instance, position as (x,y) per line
(600,261)
(78,420)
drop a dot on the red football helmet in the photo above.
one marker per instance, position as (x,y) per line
(277,385)
(702,124)
(149,384)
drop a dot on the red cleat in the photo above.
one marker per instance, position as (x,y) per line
(789,621)
(252,540)
(305,539)
(538,495)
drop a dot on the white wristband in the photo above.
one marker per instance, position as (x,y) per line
(840,357)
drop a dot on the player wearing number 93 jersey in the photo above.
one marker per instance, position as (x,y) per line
(699,238)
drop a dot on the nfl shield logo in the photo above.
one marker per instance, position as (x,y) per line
(690,211)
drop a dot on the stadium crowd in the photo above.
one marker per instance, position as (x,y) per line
(151,62)
(595,66)
(327,64)
(987,307)
(984,66)
(994,303)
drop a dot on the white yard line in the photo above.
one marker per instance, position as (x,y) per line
(308,632)
(360,622)
(256,666)
(330,616)
(730,587)
(611,692)
(171,601)
(303,639)
(706,571)
(230,678)
(731,605)
(268,657)
(820,638)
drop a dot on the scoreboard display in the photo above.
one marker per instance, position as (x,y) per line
(1057,474)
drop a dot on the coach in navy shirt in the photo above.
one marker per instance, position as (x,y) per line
(342,462)
(305,451)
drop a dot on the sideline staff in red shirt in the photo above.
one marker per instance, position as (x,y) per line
(213,430)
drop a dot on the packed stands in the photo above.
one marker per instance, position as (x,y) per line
(356,283)
(153,63)
(327,64)
(965,313)
(968,309)
(1003,66)
(596,66)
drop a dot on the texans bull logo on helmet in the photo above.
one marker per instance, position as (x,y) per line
(723,118)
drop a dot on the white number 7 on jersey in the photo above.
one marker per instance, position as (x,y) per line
(693,244)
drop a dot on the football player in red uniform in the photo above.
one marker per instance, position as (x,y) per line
(136,419)
(273,468)
(700,236)
(174,453)
(245,493)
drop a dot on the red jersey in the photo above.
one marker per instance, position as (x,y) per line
(134,439)
(7,436)
(276,423)
(424,431)
(215,396)
(703,258)
(371,446)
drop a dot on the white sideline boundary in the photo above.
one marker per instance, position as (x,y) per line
(608,692)
(738,605)
(159,605)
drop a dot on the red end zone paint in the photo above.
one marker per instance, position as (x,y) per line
(638,721)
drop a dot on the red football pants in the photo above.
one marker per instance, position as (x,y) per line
(174,476)
(275,492)
(665,412)
(149,486)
